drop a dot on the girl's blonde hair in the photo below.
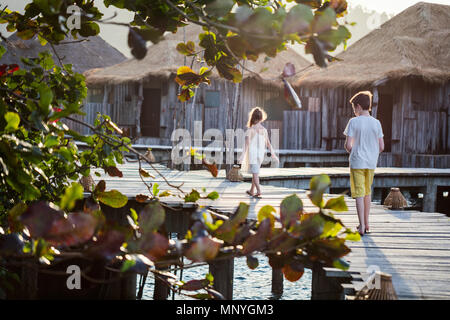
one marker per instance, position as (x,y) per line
(255,116)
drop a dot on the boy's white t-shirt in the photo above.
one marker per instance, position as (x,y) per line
(366,132)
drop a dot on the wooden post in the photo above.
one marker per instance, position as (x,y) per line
(160,290)
(430,197)
(323,287)
(223,273)
(277,281)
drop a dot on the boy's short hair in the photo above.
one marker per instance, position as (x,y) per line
(364,99)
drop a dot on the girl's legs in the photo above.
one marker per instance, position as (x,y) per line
(252,188)
(367,200)
(256,182)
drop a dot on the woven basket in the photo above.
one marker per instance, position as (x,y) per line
(235,174)
(395,199)
(385,292)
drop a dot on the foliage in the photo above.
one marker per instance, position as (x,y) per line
(233,30)
(40,162)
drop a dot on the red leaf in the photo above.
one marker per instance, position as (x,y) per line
(114,171)
(211,168)
(39,218)
(205,248)
(3,69)
(291,274)
(154,245)
(76,229)
(142,198)
(194,285)
(100,187)
(108,245)
(13,68)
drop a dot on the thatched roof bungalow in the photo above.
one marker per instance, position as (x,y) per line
(83,53)
(406,64)
(142,95)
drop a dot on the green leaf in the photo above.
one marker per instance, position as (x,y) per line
(113,198)
(186,49)
(213,195)
(192,197)
(127,265)
(298,19)
(134,215)
(219,8)
(337,204)
(155,189)
(341,264)
(71,195)
(291,210)
(51,141)
(352,236)
(12,120)
(317,186)
(152,217)
(45,98)
(267,212)
(2,51)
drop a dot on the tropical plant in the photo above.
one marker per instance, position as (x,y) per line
(40,163)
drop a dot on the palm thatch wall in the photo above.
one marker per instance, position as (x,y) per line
(406,64)
(122,88)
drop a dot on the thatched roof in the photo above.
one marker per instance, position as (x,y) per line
(415,43)
(94,52)
(162,61)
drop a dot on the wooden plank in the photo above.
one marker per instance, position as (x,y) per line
(412,246)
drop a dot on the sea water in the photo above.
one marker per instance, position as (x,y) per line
(248,284)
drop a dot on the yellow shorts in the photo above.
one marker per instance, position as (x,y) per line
(361,182)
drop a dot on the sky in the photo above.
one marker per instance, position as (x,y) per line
(117,36)
(390,6)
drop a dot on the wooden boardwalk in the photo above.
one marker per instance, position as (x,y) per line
(414,247)
(427,180)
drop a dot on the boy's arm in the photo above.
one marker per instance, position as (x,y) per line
(381,143)
(348,132)
(348,144)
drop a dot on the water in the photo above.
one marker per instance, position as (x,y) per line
(248,284)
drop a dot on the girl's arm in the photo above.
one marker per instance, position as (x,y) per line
(269,146)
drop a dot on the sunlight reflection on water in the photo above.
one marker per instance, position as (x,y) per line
(248,284)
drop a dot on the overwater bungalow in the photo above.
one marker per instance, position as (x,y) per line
(141,95)
(406,64)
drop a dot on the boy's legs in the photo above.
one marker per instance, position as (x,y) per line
(360,209)
(357,186)
(369,173)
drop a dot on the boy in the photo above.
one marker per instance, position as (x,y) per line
(364,141)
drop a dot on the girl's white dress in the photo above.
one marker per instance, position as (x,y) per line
(254,149)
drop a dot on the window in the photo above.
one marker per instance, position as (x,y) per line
(95,95)
(212,99)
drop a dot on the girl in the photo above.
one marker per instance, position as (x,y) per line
(256,141)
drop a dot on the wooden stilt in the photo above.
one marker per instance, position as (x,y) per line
(277,281)
(223,273)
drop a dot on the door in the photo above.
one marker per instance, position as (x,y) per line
(384,114)
(151,113)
